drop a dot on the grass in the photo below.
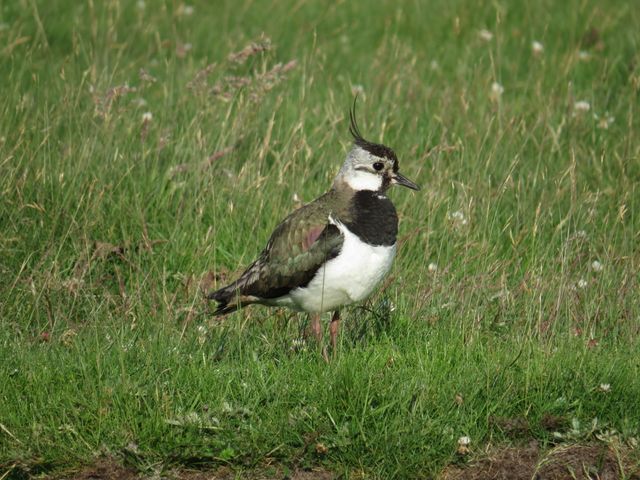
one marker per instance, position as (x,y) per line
(113,222)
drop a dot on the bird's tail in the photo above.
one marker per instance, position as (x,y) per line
(236,295)
(229,299)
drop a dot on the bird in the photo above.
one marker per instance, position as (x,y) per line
(333,251)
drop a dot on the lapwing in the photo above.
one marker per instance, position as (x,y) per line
(333,251)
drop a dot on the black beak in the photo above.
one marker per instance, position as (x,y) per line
(400,179)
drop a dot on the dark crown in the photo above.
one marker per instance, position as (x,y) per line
(375,149)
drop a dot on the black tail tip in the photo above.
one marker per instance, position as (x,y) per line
(223,306)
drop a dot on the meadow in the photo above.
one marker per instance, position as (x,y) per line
(149,148)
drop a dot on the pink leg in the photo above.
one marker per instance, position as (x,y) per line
(334,327)
(316,327)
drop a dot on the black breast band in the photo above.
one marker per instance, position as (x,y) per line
(374,218)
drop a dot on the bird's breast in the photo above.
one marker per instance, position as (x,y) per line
(350,277)
(373,218)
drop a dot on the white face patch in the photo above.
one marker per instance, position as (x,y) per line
(360,180)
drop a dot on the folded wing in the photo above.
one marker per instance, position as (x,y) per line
(296,250)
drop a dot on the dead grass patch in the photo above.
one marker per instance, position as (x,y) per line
(577,462)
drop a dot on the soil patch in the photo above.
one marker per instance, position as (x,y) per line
(579,462)
(102,469)
(262,474)
(527,462)
(110,469)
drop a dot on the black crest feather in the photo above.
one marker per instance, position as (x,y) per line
(353,128)
(375,149)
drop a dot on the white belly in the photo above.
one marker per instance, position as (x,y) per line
(350,277)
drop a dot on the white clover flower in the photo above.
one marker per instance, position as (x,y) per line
(605,387)
(605,121)
(596,266)
(432,267)
(357,89)
(458,217)
(188,10)
(463,445)
(537,47)
(584,55)
(582,106)
(582,283)
(485,35)
(496,91)
(147,117)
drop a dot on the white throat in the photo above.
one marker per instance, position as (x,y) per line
(359,180)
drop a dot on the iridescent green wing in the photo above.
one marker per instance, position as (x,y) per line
(297,249)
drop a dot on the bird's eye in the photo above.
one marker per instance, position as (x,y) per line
(378,166)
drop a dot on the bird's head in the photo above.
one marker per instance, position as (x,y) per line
(370,166)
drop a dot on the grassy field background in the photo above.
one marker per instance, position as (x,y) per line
(145,157)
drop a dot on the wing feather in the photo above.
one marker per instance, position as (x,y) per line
(296,250)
